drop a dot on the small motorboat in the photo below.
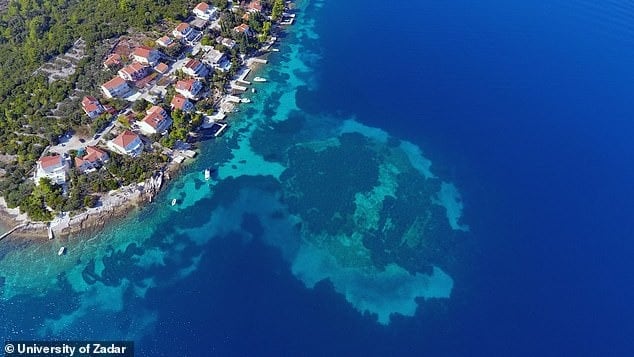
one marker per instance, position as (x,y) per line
(173,202)
(245,100)
(259,79)
(61,251)
(252,90)
(207,174)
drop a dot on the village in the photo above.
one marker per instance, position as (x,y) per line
(160,98)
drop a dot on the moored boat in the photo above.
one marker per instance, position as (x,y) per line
(259,79)
(173,202)
(61,251)
(207,174)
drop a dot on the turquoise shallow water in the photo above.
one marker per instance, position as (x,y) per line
(339,201)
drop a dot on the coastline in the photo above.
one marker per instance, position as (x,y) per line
(118,203)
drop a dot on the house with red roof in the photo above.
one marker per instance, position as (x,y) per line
(243,29)
(254,6)
(92,107)
(134,71)
(195,68)
(189,88)
(53,167)
(92,160)
(161,68)
(127,143)
(112,60)
(165,41)
(183,30)
(156,121)
(181,103)
(146,55)
(204,11)
(116,87)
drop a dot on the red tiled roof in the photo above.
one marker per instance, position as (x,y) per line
(124,139)
(114,83)
(185,84)
(50,161)
(133,68)
(255,5)
(242,28)
(114,58)
(155,116)
(192,63)
(166,40)
(161,68)
(179,102)
(143,51)
(93,154)
(90,104)
(202,7)
(182,27)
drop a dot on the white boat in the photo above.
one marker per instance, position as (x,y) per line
(275,49)
(259,79)
(207,174)
(61,251)
(252,90)
(245,100)
(173,202)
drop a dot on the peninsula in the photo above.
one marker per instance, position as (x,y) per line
(115,98)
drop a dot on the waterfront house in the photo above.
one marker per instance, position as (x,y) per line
(53,167)
(92,107)
(195,68)
(243,29)
(92,160)
(188,88)
(227,42)
(134,72)
(214,58)
(183,31)
(116,87)
(156,121)
(112,60)
(146,55)
(127,143)
(165,41)
(204,11)
(181,103)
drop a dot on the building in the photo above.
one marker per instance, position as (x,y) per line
(146,55)
(227,42)
(112,60)
(165,41)
(92,160)
(195,68)
(156,121)
(188,88)
(92,107)
(214,58)
(183,31)
(181,103)
(243,29)
(254,6)
(162,68)
(116,87)
(204,11)
(134,72)
(52,167)
(127,143)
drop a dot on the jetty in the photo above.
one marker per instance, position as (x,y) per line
(7,233)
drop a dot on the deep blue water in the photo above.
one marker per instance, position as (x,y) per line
(526,107)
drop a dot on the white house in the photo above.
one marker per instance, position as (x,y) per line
(115,87)
(195,68)
(183,30)
(188,88)
(165,41)
(156,121)
(52,167)
(127,143)
(92,107)
(146,55)
(204,11)
(215,58)
(134,71)
(92,160)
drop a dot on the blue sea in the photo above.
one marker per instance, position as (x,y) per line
(422,178)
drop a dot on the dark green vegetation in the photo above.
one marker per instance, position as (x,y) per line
(35,112)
